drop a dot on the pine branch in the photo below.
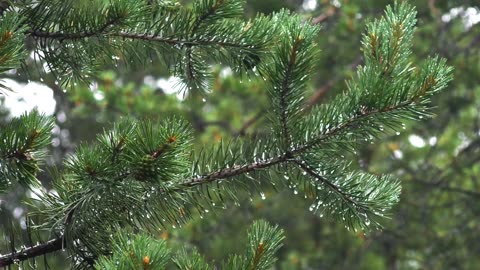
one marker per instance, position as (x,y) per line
(325,181)
(137,36)
(263,241)
(353,122)
(32,252)
(73,36)
(205,12)
(292,64)
(191,260)
(12,51)
(285,88)
(236,171)
(22,149)
(143,176)
(290,154)
(132,30)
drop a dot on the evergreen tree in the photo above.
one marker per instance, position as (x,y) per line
(143,176)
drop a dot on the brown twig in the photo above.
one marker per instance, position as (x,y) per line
(319,94)
(242,131)
(332,10)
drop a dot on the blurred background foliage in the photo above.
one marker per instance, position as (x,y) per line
(435,225)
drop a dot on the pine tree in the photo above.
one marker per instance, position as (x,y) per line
(144,175)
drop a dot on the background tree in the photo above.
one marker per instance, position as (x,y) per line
(340,33)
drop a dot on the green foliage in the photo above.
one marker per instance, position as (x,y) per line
(192,260)
(135,251)
(11,42)
(288,73)
(139,168)
(263,241)
(22,149)
(76,39)
(386,92)
(131,169)
(140,251)
(145,175)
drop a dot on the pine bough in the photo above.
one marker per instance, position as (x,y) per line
(141,176)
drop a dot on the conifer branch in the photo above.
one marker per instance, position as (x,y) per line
(190,70)
(286,88)
(137,36)
(258,256)
(137,169)
(235,171)
(289,155)
(73,36)
(325,181)
(350,123)
(32,252)
(180,42)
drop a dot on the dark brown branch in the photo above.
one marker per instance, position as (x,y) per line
(242,131)
(332,10)
(235,171)
(320,92)
(31,252)
(449,188)
(73,36)
(174,41)
(4,5)
(135,36)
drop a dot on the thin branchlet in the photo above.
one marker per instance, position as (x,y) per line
(285,89)
(73,36)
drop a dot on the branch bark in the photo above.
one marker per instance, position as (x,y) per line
(31,252)
(134,36)
(4,5)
